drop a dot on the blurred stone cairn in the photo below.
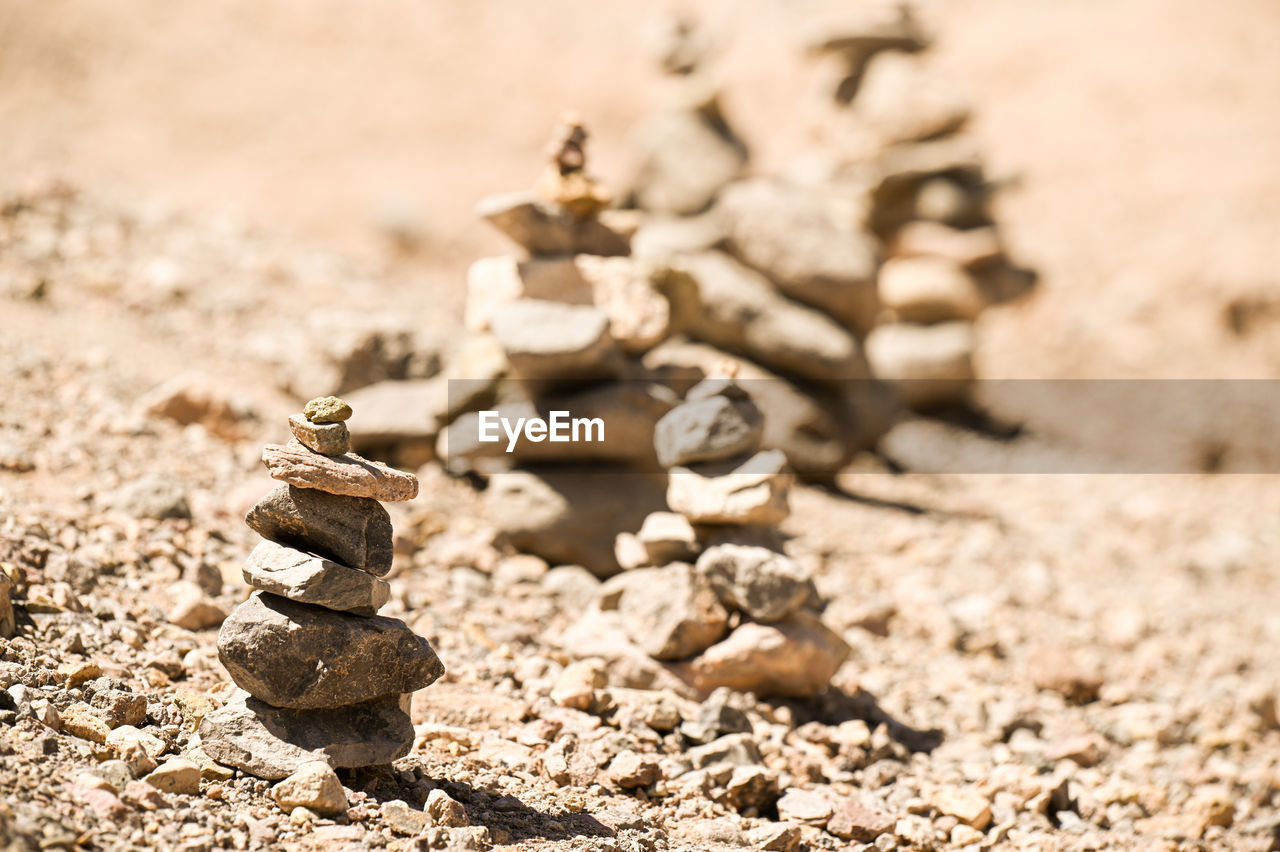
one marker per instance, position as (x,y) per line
(885,234)
(322,677)
(844,294)
(708,592)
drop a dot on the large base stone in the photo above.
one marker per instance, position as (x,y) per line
(307,657)
(271,743)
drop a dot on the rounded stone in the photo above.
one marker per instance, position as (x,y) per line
(327,409)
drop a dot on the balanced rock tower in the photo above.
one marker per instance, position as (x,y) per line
(709,590)
(320,673)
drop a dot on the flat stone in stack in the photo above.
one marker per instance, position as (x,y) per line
(320,672)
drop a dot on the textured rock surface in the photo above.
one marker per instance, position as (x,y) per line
(794,657)
(348,475)
(355,531)
(671,612)
(327,409)
(761,583)
(314,786)
(546,228)
(329,439)
(753,493)
(302,657)
(310,579)
(709,429)
(271,742)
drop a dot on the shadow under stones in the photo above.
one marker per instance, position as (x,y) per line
(835,706)
(518,820)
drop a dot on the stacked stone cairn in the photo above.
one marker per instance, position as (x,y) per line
(896,132)
(709,590)
(321,675)
(567,323)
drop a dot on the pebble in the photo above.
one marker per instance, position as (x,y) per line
(805,806)
(762,583)
(315,786)
(794,657)
(965,804)
(630,769)
(671,613)
(756,492)
(176,775)
(444,810)
(326,409)
(711,429)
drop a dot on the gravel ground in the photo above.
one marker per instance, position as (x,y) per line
(1039,662)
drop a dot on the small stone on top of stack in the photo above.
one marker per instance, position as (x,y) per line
(709,590)
(320,672)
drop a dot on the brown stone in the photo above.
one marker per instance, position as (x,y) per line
(348,475)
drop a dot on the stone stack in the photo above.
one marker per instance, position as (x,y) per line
(321,674)
(568,320)
(897,142)
(709,590)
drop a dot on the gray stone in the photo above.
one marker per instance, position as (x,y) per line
(311,579)
(762,583)
(551,341)
(271,743)
(571,516)
(348,475)
(710,429)
(305,657)
(671,612)
(808,428)
(756,492)
(328,439)
(355,531)
(795,657)
(798,242)
(543,227)
(722,302)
